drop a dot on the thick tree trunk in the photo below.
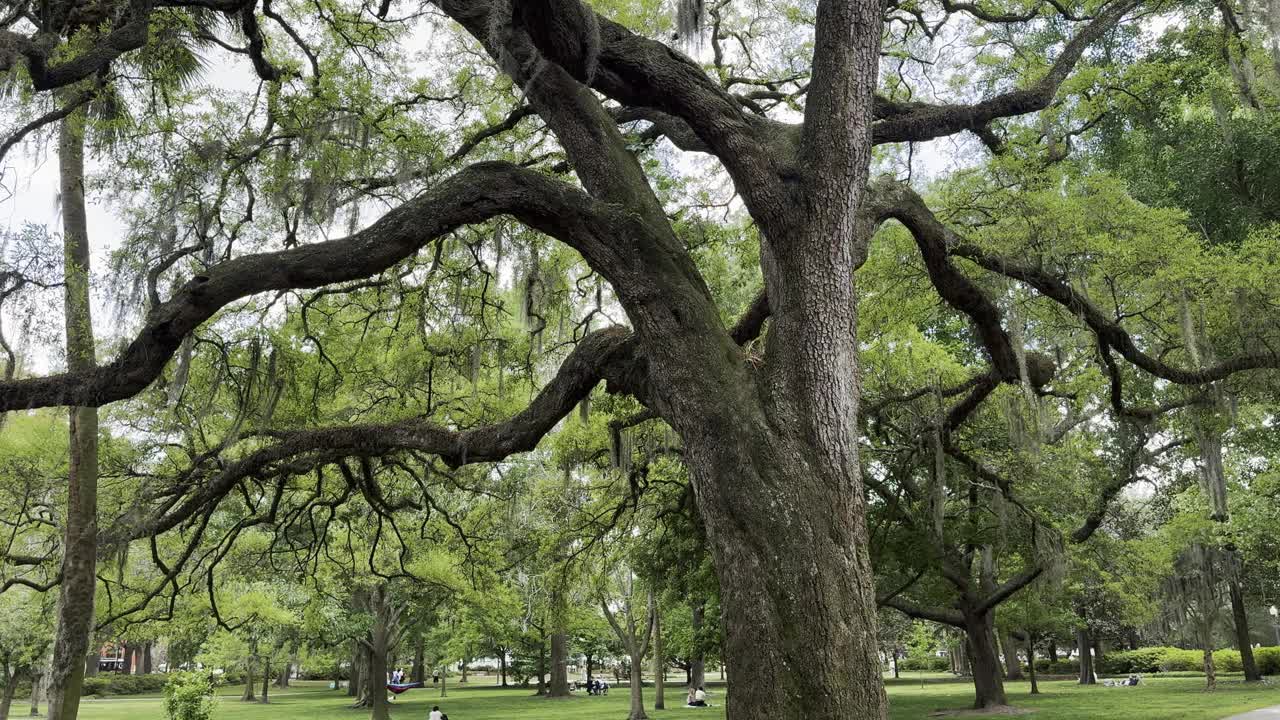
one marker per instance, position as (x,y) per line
(146,657)
(988,684)
(80,524)
(1012,665)
(698,663)
(502,666)
(6,696)
(282,679)
(266,684)
(775,465)
(659,662)
(637,689)
(380,646)
(559,665)
(463,680)
(91,664)
(1240,619)
(1087,676)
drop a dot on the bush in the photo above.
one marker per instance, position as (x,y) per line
(1057,667)
(1268,659)
(118,684)
(926,663)
(189,696)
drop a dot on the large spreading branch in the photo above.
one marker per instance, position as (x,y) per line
(475,194)
(604,355)
(1109,332)
(903,122)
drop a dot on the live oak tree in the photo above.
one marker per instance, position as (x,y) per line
(769,431)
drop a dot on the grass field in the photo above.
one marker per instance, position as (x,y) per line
(1156,699)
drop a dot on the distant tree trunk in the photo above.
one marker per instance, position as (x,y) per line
(37,680)
(444,680)
(502,666)
(1087,676)
(1241,621)
(353,684)
(463,680)
(698,663)
(542,668)
(248,695)
(282,680)
(659,662)
(1053,650)
(419,673)
(1012,665)
(266,683)
(1210,670)
(146,657)
(1031,662)
(896,674)
(91,664)
(75,611)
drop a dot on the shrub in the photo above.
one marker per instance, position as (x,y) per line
(189,696)
(924,663)
(1268,659)
(1045,666)
(119,684)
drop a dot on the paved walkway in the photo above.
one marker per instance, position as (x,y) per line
(1271,713)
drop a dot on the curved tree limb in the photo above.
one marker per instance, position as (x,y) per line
(923,121)
(475,194)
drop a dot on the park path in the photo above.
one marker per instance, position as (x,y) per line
(1271,713)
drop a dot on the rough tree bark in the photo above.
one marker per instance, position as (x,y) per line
(984,659)
(80,524)
(559,686)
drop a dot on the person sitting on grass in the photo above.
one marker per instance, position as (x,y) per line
(698,698)
(436,714)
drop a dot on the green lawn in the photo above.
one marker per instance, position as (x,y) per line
(1156,699)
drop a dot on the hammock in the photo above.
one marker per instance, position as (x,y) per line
(398,688)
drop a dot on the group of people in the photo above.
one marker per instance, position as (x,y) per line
(398,677)
(697,697)
(597,687)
